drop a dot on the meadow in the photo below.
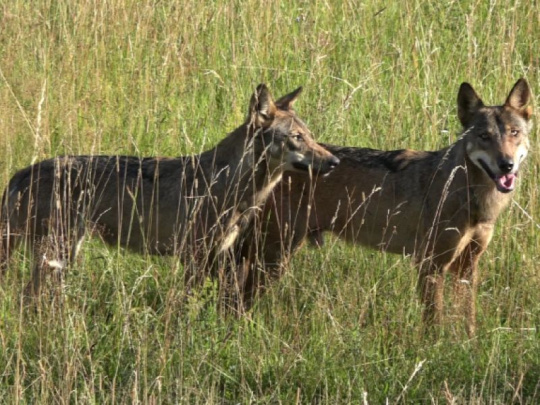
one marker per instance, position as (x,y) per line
(344,325)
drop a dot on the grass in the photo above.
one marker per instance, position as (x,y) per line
(344,325)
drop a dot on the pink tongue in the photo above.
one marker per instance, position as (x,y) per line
(507,181)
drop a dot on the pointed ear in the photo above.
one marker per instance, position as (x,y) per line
(262,107)
(519,97)
(468,104)
(286,102)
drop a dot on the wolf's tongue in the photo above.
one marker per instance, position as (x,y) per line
(506,182)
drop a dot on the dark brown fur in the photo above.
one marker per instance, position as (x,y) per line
(439,207)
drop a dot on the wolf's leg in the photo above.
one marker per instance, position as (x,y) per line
(231,273)
(431,289)
(464,272)
(8,242)
(55,251)
(264,259)
(244,275)
(266,255)
(197,260)
(33,287)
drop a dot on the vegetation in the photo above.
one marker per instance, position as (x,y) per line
(344,326)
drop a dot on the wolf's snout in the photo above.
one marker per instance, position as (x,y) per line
(334,161)
(327,165)
(506,165)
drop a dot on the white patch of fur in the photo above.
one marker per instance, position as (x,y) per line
(229,240)
(477,155)
(293,157)
(263,194)
(56,264)
(260,197)
(521,154)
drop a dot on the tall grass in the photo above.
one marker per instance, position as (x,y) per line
(344,325)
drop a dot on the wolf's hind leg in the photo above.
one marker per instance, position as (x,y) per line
(53,253)
(8,242)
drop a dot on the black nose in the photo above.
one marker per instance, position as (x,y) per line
(334,161)
(506,165)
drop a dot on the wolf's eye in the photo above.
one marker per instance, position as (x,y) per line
(484,136)
(514,132)
(298,138)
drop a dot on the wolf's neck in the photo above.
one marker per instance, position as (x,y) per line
(242,170)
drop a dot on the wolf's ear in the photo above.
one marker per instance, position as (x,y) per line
(468,104)
(262,107)
(286,102)
(519,97)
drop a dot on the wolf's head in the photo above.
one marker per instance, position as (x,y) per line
(497,137)
(285,137)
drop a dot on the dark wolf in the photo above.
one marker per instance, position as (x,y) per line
(192,206)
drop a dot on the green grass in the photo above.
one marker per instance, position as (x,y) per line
(344,325)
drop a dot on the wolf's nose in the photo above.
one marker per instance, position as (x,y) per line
(506,165)
(334,161)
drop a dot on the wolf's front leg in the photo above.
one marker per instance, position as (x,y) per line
(465,277)
(431,289)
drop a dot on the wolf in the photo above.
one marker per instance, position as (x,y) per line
(191,206)
(439,207)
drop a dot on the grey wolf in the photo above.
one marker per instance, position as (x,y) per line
(192,206)
(439,207)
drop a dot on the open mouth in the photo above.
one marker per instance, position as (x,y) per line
(504,182)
